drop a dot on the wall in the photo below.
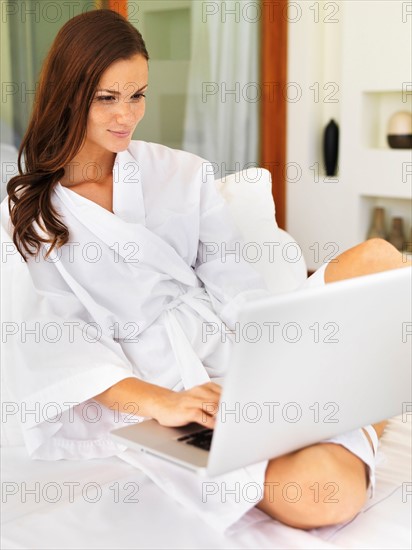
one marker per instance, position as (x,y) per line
(5,73)
(27,31)
(349,59)
(166,29)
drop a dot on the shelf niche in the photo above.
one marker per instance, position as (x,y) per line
(378,107)
(394,207)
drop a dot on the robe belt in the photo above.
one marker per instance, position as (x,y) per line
(191,368)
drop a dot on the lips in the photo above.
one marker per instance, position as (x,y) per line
(120,134)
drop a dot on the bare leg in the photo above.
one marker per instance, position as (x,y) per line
(319,470)
(372,256)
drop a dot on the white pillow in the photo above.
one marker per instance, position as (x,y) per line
(269,249)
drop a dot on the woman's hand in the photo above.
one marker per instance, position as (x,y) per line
(199,404)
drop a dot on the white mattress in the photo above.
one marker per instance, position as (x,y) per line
(152,520)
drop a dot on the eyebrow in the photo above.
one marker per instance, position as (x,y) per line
(115,92)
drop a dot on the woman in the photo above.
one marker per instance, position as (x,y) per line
(115,235)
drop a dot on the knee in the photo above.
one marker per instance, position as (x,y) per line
(380,255)
(371,256)
(318,486)
(378,248)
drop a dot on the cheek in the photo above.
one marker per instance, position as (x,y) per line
(141,111)
(97,116)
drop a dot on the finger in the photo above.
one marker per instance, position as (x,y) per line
(214,385)
(205,420)
(202,400)
(204,417)
(207,391)
(210,408)
(204,404)
(211,386)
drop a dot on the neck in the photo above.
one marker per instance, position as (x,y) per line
(89,168)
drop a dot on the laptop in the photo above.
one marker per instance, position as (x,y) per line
(306,366)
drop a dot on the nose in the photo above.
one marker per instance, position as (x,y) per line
(128,113)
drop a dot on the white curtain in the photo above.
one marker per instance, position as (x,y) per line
(222,109)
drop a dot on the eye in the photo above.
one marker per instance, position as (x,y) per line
(138,96)
(105,98)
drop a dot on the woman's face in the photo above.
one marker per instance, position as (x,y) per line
(118,105)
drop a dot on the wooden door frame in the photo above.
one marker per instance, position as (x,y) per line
(119,5)
(273,111)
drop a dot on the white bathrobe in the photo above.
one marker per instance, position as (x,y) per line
(128,296)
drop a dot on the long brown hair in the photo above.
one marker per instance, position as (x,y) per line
(82,50)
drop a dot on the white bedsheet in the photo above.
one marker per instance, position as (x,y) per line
(152,520)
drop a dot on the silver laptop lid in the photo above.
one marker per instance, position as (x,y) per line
(314,363)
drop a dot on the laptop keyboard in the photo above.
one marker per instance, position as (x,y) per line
(201,439)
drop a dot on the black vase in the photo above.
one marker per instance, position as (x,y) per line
(330,147)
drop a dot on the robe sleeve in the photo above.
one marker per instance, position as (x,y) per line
(221,262)
(55,360)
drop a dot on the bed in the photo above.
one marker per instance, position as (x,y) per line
(109,503)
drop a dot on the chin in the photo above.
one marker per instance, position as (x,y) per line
(119,147)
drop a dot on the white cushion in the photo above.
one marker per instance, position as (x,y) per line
(12,270)
(269,249)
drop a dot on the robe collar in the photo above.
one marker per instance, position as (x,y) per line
(126,226)
(128,200)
